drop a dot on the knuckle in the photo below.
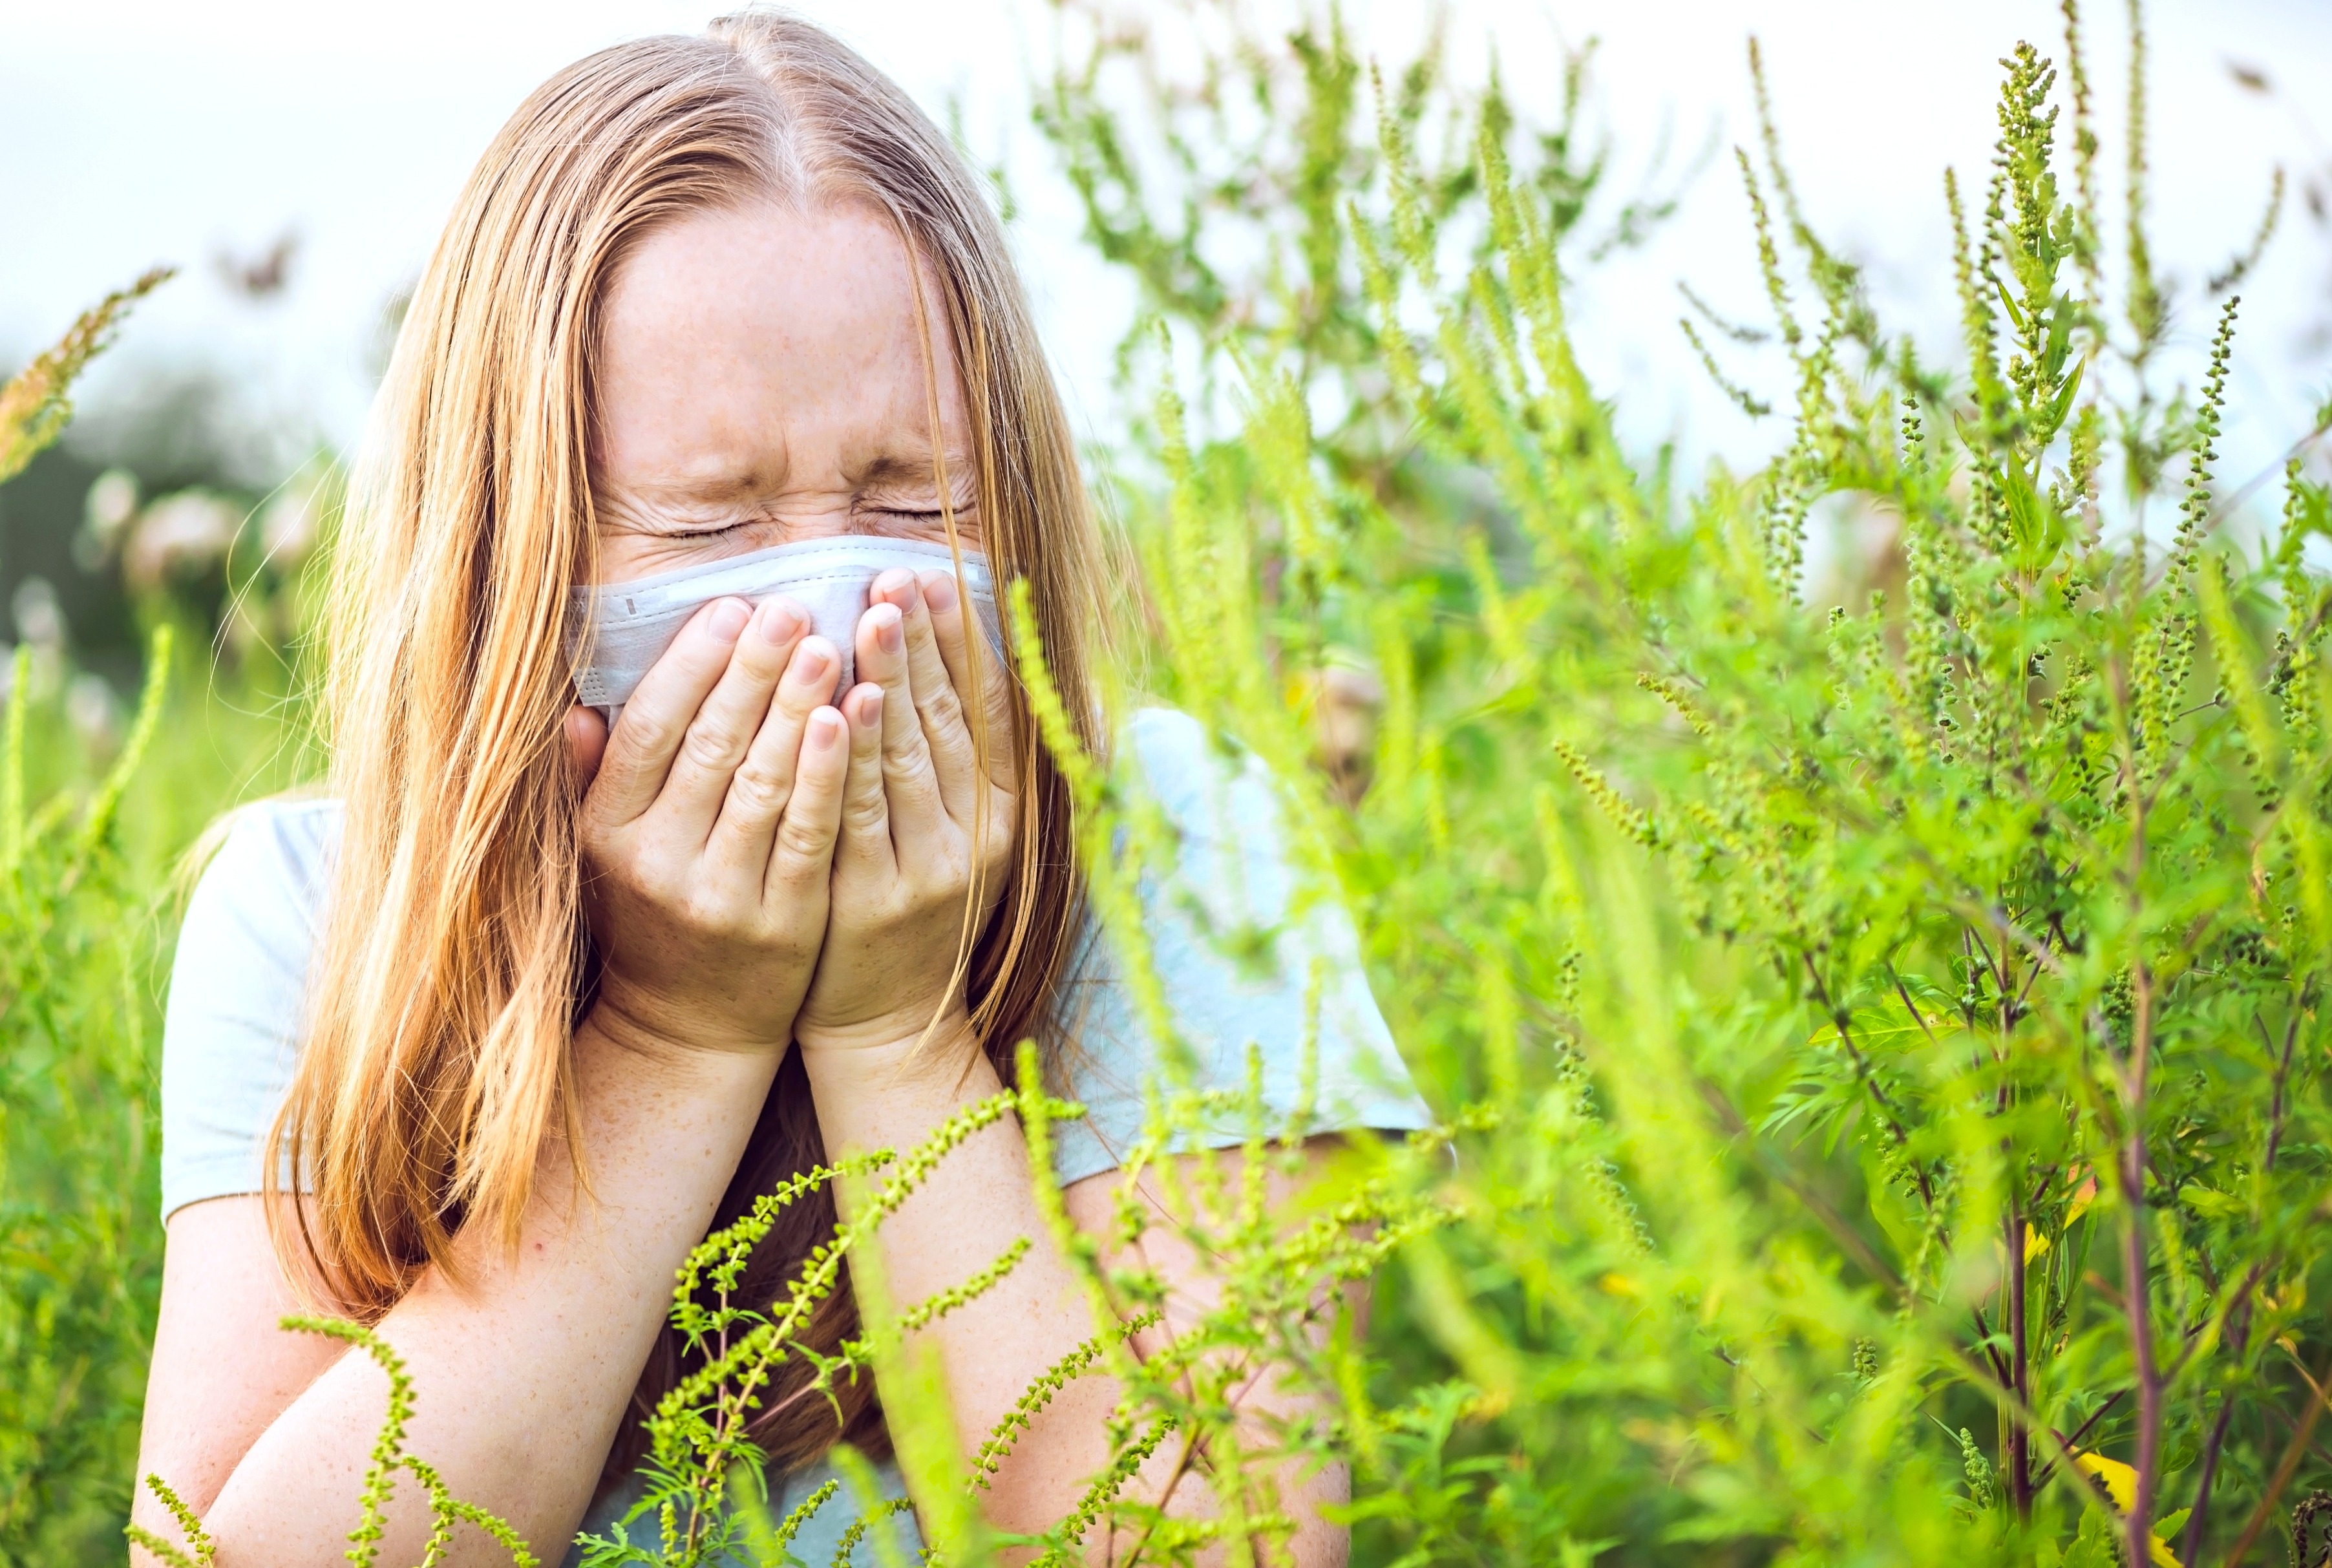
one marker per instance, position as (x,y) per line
(953,742)
(802,839)
(790,942)
(948,731)
(758,791)
(708,747)
(646,733)
(912,768)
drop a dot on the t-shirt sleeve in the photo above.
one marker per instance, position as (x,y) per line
(1247,958)
(238,1009)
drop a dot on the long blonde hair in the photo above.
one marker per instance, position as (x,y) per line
(456,962)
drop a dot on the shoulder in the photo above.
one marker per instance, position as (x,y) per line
(1226,848)
(237,1007)
(258,898)
(1252,961)
(1203,783)
(1175,755)
(269,850)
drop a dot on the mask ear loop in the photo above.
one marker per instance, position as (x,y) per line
(974,644)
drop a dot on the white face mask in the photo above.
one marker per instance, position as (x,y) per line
(631,623)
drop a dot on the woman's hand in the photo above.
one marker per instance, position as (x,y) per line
(924,825)
(709,831)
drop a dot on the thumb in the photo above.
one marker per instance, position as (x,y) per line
(586,743)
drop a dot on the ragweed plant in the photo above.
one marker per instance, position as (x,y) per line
(1901,1017)
(1211,156)
(698,1430)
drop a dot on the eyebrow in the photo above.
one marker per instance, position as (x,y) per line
(920,470)
(722,488)
(893,468)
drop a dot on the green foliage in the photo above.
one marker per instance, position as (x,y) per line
(1212,157)
(1949,968)
(91,825)
(92,829)
(73,1265)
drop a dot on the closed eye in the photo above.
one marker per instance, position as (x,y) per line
(916,518)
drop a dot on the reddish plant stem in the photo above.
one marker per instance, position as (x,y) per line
(2066,1444)
(2134,1290)
(2016,1453)
(2239,1328)
(2285,1470)
(1869,1078)
(2190,1544)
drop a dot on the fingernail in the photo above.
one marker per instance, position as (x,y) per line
(939,592)
(887,629)
(870,704)
(780,621)
(811,661)
(898,579)
(825,727)
(728,618)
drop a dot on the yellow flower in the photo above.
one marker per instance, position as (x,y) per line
(2121,1486)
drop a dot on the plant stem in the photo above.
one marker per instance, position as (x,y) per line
(2284,1471)
(2134,1290)
(1862,1070)
(2240,1319)
(2016,1452)
(2067,1444)
(2191,1542)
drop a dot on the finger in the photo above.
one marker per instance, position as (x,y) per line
(640,751)
(908,776)
(744,838)
(865,808)
(586,733)
(938,705)
(731,715)
(955,628)
(804,857)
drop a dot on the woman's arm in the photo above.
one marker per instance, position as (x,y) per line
(883,1076)
(975,1205)
(709,831)
(520,1374)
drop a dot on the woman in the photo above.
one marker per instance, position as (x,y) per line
(480,1044)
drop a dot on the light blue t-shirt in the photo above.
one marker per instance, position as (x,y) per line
(1241,959)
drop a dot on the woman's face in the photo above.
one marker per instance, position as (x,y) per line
(763,379)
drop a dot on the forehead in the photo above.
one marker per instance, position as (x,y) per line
(768,334)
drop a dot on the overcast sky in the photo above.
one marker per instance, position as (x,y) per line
(140,131)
